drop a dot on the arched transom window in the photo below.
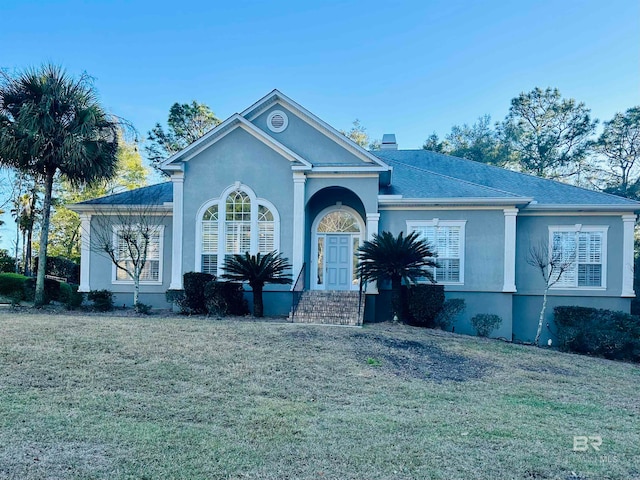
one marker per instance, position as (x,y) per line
(236,224)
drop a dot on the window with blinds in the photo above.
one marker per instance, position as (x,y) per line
(125,249)
(209,242)
(266,230)
(583,250)
(447,241)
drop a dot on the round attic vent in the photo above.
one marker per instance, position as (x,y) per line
(277,121)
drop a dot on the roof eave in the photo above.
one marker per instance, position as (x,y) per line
(166,207)
(397,200)
(582,208)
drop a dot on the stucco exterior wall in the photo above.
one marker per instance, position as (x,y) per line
(101,270)
(484,243)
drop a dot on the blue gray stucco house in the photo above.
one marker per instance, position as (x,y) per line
(277,177)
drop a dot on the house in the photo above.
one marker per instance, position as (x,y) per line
(277,177)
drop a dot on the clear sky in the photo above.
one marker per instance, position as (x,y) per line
(403,67)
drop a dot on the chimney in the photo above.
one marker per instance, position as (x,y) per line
(389,142)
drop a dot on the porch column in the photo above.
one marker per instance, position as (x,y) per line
(628,222)
(510,250)
(299,180)
(85,252)
(372,228)
(177,178)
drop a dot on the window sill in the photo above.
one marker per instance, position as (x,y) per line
(130,282)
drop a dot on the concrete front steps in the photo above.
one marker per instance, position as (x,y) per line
(329,308)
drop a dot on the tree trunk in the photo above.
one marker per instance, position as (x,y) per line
(30,224)
(17,259)
(136,291)
(396,298)
(44,239)
(536,342)
(258,307)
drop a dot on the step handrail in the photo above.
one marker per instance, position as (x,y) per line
(297,289)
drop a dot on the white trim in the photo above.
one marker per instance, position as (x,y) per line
(114,269)
(628,226)
(85,252)
(313,270)
(277,97)
(436,222)
(177,178)
(221,202)
(315,174)
(222,130)
(399,201)
(525,213)
(578,227)
(584,207)
(510,215)
(285,120)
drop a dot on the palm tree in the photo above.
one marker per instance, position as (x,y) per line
(396,258)
(257,270)
(52,124)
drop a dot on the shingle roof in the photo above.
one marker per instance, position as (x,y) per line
(152,195)
(406,182)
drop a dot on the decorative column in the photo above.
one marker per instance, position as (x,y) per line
(85,252)
(510,250)
(177,178)
(628,222)
(299,180)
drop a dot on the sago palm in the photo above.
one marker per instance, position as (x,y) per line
(257,270)
(386,257)
(52,124)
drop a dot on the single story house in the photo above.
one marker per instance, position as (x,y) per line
(276,177)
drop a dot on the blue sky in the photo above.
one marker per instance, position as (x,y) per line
(408,68)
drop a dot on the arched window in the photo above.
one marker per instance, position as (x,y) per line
(236,223)
(209,245)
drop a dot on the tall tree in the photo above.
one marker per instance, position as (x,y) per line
(187,122)
(549,135)
(434,144)
(358,133)
(619,144)
(386,257)
(479,142)
(64,238)
(50,124)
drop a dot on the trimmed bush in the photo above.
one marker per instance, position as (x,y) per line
(178,298)
(12,285)
(194,283)
(60,267)
(450,310)
(485,323)
(102,300)
(51,290)
(614,335)
(225,298)
(70,296)
(424,302)
(142,308)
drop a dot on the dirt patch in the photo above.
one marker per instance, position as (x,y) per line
(421,360)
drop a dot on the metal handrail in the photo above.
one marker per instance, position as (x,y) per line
(363,287)
(297,289)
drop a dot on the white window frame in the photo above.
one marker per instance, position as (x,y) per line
(254,227)
(576,229)
(114,269)
(412,225)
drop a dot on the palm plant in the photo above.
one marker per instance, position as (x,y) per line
(52,124)
(257,270)
(386,257)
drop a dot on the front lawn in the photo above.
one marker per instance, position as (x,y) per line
(160,398)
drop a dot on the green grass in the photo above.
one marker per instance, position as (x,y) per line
(160,398)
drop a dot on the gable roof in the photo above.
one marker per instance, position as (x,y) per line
(153,195)
(219,132)
(275,96)
(546,194)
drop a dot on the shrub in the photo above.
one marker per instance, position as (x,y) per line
(614,335)
(7,262)
(12,285)
(102,300)
(70,296)
(60,267)
(142,308)
(194,283)
(225,298)
(178,298)
(450,310)
(485,323)
(424,302)
(51,289)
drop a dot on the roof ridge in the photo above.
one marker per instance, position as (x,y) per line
(457,179)
(523,174)
(168,182)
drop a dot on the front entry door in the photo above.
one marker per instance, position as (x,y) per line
(338,262)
